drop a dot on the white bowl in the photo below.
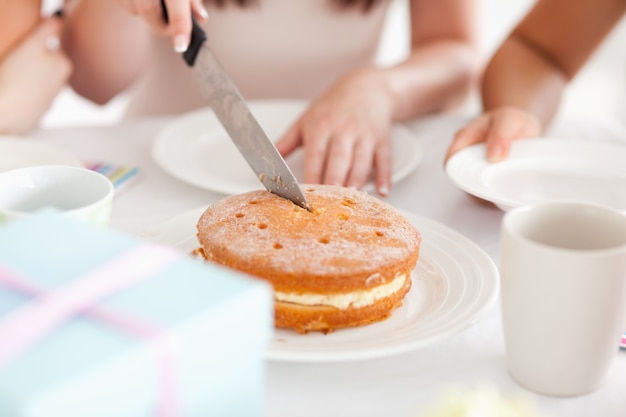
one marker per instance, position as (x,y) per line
(78,192)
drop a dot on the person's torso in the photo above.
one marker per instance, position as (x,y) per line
(277,49)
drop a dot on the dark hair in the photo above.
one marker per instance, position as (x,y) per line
(365,5)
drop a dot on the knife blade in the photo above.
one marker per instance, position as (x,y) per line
(233,113)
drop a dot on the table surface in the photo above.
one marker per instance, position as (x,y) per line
(399,385)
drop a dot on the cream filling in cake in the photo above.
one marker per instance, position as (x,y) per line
(354,299)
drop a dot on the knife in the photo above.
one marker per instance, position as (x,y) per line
(233,113)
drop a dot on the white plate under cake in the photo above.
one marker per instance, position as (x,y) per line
(454,284)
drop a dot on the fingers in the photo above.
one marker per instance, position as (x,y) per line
(48,34)
(473,133)
(339,160)
(150,11)
(52,43)
(338,152)
(290,141)
(315,150)
(197,6)
(174,21)
(383,162)
(349,161)
(362,163)
(46,38)
(509,125)
(179,14)
(498,128)
(179,23)
(499,137)
(32,75)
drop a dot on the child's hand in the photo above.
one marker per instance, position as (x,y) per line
(346,134)
(31,76)
(179,17)
(498,128)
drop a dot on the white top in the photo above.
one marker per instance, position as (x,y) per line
(278,49)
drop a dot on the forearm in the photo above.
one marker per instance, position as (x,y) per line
(109,48)
(436,76)
(518,76)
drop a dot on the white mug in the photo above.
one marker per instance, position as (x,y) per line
(77,192)
(563,272)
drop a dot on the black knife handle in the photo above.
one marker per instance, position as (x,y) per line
(198,37)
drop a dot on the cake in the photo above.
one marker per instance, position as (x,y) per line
(346,262)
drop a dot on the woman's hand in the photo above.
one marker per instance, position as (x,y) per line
(31,76)
(179,14)
(346,133)
(498,128)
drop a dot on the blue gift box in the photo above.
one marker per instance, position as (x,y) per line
(96,323)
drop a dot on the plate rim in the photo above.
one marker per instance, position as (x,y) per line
(474,152)
(164,136)
(489,280)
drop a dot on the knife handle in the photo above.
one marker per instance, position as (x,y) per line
(198,37)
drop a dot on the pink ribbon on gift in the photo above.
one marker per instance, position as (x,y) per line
(33,321)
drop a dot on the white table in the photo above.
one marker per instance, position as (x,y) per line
(401,385)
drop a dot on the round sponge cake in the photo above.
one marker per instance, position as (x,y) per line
(347,262)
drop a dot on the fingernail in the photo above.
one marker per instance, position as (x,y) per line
(180,43)
(52,43)
(494,153)
(383,190)
(203,13)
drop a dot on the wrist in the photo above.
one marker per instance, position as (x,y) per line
(378,82)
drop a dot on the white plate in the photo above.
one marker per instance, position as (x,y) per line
(196,149)
(544,169)
(16,152)
(454,283)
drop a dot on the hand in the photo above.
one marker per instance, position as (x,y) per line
(179,17)
(31,76)
(346,133)
(498,128)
